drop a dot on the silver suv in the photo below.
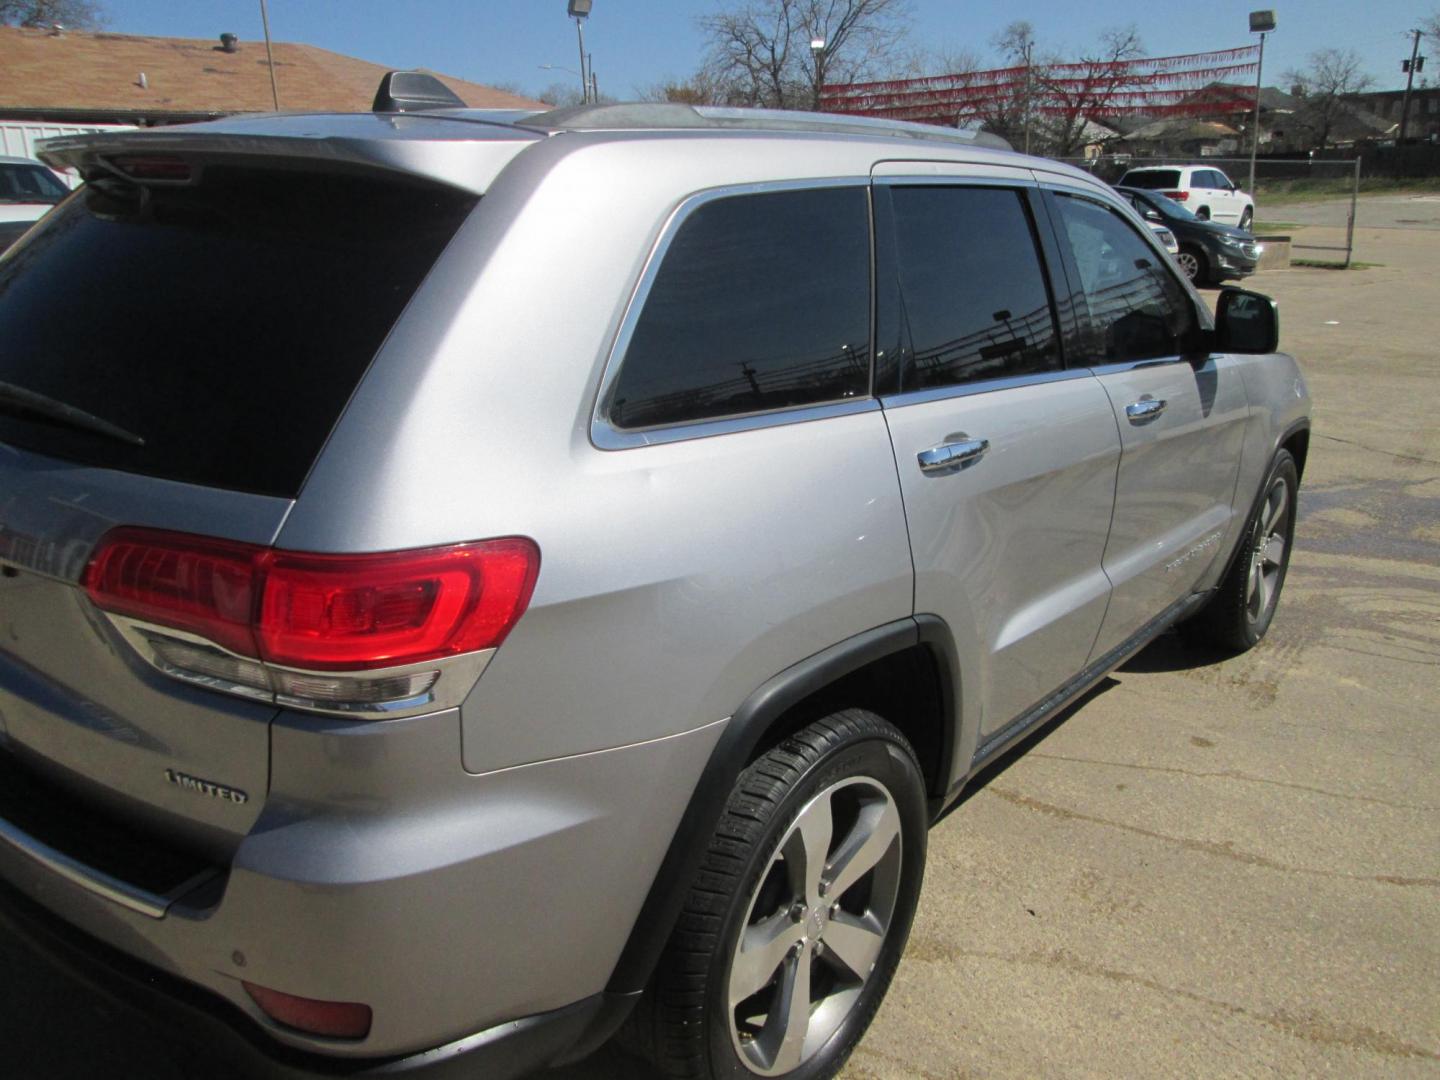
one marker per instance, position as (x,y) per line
(473,584)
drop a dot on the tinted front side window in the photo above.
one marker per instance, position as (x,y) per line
(1138,310)
(762,302)
(972,297)
(224,324)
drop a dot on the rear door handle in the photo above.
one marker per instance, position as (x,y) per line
(951,455)
(1142,412)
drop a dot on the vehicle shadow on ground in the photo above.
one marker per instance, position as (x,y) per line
(1173,651)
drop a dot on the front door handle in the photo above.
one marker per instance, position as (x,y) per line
(949,456)
(1142,412)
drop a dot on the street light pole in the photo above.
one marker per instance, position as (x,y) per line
(579,10)
(1261,22)
(817,50)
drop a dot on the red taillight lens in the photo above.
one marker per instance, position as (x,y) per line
(346,612)
(320,612)
(335,1019)
(1178,196)
(154,167)
(191,583)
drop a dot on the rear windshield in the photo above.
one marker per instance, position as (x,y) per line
(30,184)
(1153,179)
(225,324)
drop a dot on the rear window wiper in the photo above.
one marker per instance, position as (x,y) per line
(21,402)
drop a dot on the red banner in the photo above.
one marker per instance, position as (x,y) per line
(1219,82)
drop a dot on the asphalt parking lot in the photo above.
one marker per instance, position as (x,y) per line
(1212,866)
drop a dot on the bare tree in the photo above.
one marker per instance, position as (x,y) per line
(760,52)
(1084,91)
(699,89)
(81,14)
(1333,75)
(1430,25)
(1012,110)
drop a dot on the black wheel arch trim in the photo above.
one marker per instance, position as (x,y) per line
(736,747)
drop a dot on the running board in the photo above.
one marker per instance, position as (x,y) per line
(1038,714)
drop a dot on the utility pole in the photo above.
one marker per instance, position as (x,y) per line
(1029,61)
(1409,81)
(269,56)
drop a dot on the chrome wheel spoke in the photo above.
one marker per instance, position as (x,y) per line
(1275,511)
(792,1017)
(1275,551)
(876,829)
(763,948)
(853,943)
(807,847)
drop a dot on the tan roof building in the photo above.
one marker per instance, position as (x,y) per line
(79,76)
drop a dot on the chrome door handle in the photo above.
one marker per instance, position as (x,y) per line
(1142,412)
(951,455)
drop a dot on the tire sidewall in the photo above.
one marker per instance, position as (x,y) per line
(892,764)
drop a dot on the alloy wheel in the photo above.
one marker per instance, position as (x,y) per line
(815,925)
(1267,559)
(1189,264)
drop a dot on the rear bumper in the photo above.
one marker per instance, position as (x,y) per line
(204,1028)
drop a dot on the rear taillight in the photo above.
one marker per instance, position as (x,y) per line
(295,612)
(1178,196)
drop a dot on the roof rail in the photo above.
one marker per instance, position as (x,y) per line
(667,116)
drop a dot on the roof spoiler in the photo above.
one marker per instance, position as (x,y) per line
(413,91)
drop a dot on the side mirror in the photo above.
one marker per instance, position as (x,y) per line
(1246,322)
(1153,215)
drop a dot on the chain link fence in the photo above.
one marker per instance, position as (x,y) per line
(1311,201)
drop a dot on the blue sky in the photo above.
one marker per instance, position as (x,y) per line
(636,43)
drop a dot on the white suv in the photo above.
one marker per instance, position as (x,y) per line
(1205,191)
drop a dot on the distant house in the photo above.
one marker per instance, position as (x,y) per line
(1424,122)
(1181,137)
(80,78)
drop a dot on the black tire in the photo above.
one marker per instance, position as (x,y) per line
(1236,618)
(1193,264)
(685,1024)
(1246,217)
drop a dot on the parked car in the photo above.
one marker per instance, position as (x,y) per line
(1209,252)
(1203,190)
(27,190)
(459,597)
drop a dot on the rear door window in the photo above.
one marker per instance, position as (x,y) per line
(224,324)
(761,302)
(1138,309)
(970,300)
(1153,179)
(30,183)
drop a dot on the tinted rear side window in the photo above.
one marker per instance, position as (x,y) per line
(1153,180)
(761,302)
(972,300)
(226,324)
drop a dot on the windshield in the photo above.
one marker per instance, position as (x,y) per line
(1152,179)
(30,184)
(224,325)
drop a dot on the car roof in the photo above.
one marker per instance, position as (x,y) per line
(467,148)
(7,160)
